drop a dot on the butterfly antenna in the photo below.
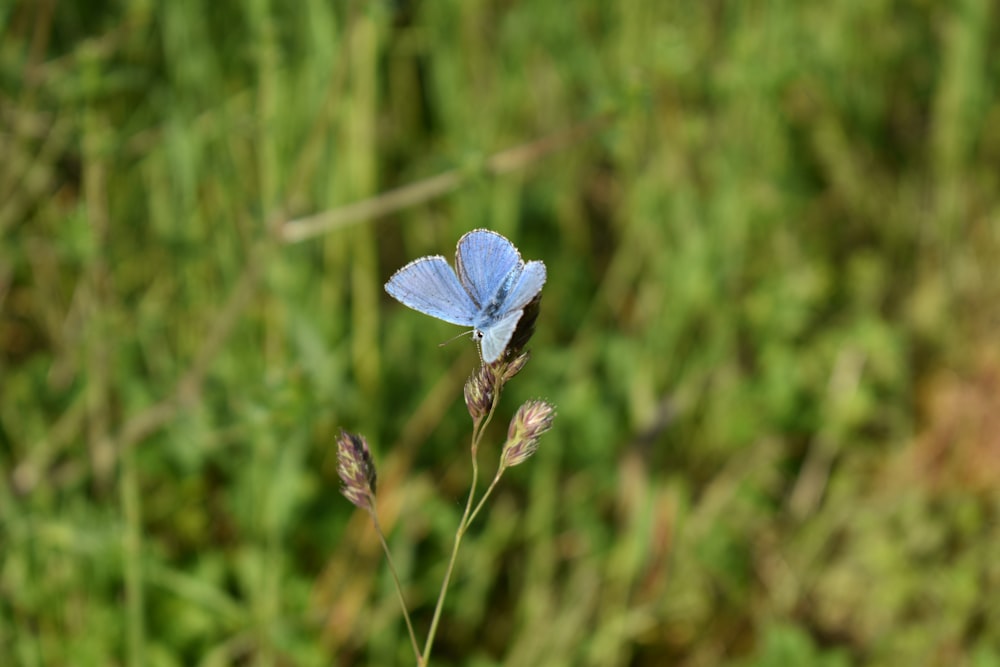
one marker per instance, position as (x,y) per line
(457,336)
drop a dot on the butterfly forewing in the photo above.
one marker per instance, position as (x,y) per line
(430,286)
(484,260)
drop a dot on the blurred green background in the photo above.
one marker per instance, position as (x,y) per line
(772,232)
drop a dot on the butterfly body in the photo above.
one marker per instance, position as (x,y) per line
(487,290)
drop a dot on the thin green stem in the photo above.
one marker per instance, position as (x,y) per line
(454,554)
(399,587)
(486,495)
(478,428)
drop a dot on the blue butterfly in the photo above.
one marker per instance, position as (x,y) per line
(487,291)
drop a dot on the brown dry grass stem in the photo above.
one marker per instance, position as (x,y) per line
(392,201)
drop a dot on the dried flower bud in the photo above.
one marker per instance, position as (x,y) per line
(532,420)
(514,366)
(356,470)
(479,391)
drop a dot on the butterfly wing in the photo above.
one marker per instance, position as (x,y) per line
(497,335)
(498,332)
(526,287)
(484,261)
(430,286)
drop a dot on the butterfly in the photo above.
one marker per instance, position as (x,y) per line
(487,290)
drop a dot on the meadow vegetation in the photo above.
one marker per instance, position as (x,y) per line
(772,233)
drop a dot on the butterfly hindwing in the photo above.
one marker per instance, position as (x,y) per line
(430,286)
(496,336)
(529,283)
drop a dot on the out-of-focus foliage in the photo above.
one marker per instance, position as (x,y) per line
(769,328)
